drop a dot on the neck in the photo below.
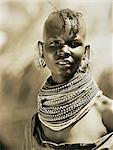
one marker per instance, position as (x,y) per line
(57,79)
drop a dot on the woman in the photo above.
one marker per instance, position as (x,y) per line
(72,112)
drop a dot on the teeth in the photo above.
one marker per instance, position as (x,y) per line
(62,63)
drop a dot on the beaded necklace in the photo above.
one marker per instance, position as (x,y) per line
(61,105)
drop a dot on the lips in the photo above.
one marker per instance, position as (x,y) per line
(64,63)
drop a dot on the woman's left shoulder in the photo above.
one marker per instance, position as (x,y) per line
(104,103)
(106,107)
(105,98)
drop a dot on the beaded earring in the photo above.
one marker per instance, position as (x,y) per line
(85,62)
(39,60)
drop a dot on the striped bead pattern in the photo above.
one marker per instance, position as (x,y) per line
(60,103)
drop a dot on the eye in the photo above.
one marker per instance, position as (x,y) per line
(74,44)
(56,43)
(52,44)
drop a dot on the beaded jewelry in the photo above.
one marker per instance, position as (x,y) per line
(85,62)
(62,104)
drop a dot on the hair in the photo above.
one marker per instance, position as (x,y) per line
(60,18)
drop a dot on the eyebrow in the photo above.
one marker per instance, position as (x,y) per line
(75,40)
(60,39)
(54,39)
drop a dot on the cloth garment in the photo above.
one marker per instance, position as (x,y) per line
(34,140)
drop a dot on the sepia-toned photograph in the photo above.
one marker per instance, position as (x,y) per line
(56,75)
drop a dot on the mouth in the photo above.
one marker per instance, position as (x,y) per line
(64,63)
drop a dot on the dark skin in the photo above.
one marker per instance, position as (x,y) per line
(63,54)
(63,57)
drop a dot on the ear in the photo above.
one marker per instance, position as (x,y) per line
(40,48)
(87,51)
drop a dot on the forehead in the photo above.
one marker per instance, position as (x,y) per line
(65,25)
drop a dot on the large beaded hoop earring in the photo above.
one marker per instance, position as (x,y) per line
(39,60)
(85,62)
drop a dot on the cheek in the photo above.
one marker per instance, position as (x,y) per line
(78,52)
(48,58)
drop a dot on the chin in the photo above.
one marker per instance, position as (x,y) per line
(67,72)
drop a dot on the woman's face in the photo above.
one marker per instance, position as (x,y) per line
(62,52)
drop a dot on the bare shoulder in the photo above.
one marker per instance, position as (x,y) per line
(106,99)
(105,106)
(103,103)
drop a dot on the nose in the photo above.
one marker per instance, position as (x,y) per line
(64,51)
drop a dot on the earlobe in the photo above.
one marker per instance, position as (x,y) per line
(85,62)
(87,51)
(39,55)
(87,47)
(40,48)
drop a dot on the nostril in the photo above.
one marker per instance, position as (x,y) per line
(64,51)
(60,53)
